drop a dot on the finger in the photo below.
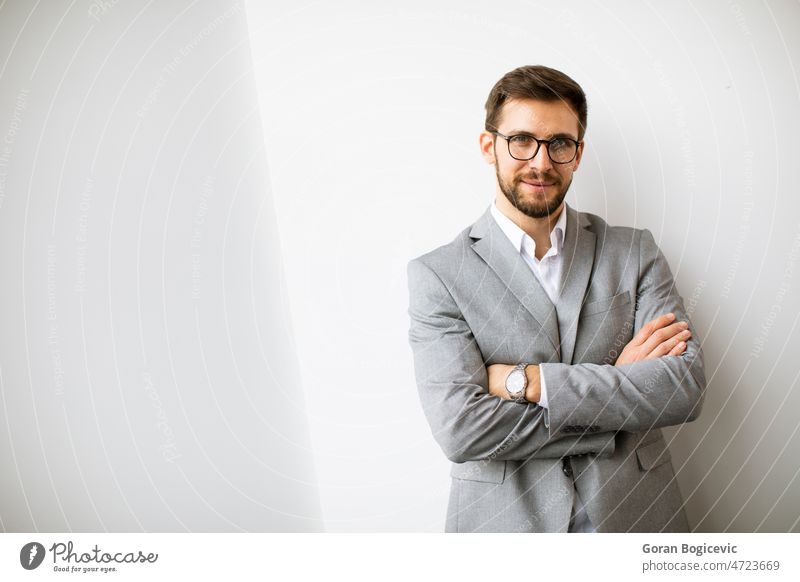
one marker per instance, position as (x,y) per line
(679,348)
(665,334)
(657,335)
(651,327)
(667,345)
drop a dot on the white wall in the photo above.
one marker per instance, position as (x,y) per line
(159,373)
(371,113)
(147,376)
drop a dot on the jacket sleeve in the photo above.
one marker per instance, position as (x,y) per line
(468,423)
(640,396)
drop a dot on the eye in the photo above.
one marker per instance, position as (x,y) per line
(560,144)
(523,140)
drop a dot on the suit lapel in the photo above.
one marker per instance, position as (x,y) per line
(579,248)
(499,254)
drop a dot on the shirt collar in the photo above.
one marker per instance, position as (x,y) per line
(518,237)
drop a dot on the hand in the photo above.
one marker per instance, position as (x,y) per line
(497,381)
(659,337)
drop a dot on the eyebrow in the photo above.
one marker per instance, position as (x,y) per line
(514,132)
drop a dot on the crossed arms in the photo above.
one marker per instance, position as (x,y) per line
(660,337)
(655,382)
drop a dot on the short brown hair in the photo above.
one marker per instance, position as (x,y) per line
(536,82)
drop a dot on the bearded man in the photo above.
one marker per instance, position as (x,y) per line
(549,347)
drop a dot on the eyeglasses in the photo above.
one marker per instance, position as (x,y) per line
(560,150)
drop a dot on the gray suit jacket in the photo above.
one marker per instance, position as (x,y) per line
(474,302)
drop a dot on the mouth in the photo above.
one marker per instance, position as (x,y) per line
(537,183)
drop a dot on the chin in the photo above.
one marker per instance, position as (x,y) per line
(539,208)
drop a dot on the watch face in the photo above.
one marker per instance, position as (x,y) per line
(515,383)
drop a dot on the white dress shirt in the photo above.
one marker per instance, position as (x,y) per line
(548,272)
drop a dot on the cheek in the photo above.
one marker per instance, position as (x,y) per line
(507,171)
(565,174)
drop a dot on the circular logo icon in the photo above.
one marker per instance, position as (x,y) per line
(31,555)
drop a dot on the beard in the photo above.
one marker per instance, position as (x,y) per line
(534,208)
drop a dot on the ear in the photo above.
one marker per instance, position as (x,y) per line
(487,147)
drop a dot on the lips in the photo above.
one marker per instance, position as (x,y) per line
(537,184)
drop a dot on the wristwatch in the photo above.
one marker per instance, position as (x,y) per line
(516,382)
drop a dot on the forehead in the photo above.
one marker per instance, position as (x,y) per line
(541,118)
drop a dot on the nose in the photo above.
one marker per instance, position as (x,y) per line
(541,161)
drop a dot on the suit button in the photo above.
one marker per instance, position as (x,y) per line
(566,467)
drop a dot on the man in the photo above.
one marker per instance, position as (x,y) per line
(549,347)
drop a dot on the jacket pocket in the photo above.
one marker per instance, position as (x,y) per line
(607,304)
(652,455)
(483,471)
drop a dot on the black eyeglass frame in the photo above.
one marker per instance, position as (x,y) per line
(539,143)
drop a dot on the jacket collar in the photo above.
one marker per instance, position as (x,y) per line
(559,322)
